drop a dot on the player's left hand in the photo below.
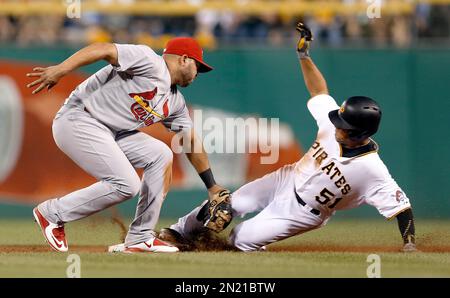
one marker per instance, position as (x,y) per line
(215,189)
(304,40)
(47,77)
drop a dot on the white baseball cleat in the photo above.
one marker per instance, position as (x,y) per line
(152,245)
(116,248)
(53,233)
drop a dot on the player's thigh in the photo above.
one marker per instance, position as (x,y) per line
(143,150)
(280,220)
(256,195)
(92,146)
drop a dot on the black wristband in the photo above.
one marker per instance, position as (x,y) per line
(208,178)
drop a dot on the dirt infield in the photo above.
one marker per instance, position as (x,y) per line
(46,248)
(297,248)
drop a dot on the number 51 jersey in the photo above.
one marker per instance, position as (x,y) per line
(330,177)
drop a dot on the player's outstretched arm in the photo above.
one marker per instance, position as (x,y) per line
(216,213)
(48,77)
(199,160)
(314,81)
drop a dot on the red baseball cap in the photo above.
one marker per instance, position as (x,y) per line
(190,47)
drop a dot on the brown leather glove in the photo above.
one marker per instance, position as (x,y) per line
(216,213)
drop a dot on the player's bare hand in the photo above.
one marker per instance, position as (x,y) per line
(215,189)
(46,77)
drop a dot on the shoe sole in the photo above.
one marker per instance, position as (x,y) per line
(36,219)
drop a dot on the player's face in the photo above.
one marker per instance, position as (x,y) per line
(341,136)
(188,71)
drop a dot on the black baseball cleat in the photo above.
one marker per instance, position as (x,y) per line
(173,237)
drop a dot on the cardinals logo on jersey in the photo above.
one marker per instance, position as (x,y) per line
(142,110)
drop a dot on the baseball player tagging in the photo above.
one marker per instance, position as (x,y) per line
(97,128)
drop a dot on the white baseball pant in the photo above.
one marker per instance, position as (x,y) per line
(279,216)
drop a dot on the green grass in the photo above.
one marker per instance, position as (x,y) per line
(337,234)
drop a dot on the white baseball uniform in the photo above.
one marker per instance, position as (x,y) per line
(96,128)
(303,196)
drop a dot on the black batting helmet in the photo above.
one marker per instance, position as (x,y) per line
(360,115)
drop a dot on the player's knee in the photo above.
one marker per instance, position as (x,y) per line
(133,188)
(166,155)
(241,242)
(127,188)
(157,154)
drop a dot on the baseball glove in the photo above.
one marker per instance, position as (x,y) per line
(216,213)
(304,41)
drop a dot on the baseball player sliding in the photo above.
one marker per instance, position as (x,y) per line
(97,127)
(341,170)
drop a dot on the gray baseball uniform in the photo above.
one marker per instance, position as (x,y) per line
(96,128)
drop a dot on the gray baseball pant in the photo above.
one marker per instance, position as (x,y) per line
(93,147)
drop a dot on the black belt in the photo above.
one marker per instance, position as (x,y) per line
(313,211)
